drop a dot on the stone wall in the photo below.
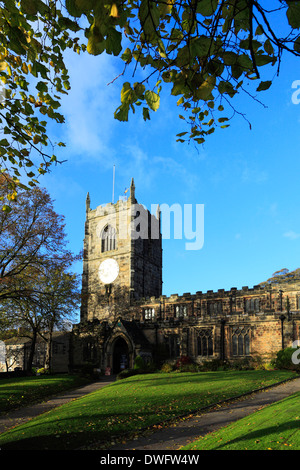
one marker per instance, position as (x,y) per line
(139,258)
(226,324)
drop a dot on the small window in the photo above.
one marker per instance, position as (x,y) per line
(252,305)
(215,307)
(180,311)
(149,313)
(108,239)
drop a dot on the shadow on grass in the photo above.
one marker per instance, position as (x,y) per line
(282,425)
(75,440)
(64,437)
(260,435)
(63,441)
(182,377)
(16,395)
(73,425)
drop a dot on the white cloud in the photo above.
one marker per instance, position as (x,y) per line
(146,167)
(253,175)
(291,235)
(89,107)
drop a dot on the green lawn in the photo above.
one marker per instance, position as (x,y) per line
(21,391)
(131,404)
(276,427)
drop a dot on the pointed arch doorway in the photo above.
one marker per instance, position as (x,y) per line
(120,355)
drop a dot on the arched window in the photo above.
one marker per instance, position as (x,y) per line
(241,342)
(247,344)
(108,239)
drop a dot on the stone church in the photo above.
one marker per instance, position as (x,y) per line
(124,314)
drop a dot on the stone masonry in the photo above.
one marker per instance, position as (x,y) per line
(131,317)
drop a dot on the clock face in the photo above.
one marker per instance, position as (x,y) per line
(108,271)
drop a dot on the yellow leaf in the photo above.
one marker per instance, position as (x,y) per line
(12,196)
(3,65)
(165,8)
(18,60)
(114,11)
(24,68)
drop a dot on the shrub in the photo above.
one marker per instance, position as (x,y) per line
(258,363)
(284,359)
(189,368)
(130,372)
(213,365)
(183,361)
(150,367)
(42,371)
(139,363)
(167,367)
(127,373)
(268,366)
(241,364)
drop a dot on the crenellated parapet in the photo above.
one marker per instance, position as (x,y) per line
(257,300)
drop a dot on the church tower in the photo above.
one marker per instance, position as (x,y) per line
(122,259)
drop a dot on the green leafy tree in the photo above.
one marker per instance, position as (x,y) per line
(33,37)
(203,52)
(283,276)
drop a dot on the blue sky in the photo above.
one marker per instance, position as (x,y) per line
(248,180)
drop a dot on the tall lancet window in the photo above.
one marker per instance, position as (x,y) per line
(108,239)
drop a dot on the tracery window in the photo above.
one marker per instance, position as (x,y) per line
(108,239)
(241,341)
(205,342)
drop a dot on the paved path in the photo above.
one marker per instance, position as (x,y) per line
(21,415)
(174,436)
(185,431)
